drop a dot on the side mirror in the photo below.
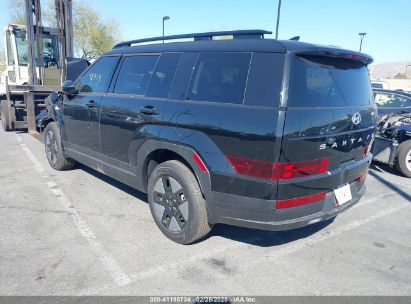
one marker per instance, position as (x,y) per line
(68,88)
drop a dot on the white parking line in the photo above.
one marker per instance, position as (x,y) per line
(111,265)
(37,165)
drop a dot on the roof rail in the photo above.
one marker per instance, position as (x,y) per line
(241,34)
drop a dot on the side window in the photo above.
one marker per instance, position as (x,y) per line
(391,100)
(163,75)
(21,45)
(135,74)
(220,77)
(97,78)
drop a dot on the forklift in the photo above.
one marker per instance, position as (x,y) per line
(37,60)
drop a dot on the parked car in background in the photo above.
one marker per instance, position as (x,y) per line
(250,131)
(389,101)
(380,85)
(393,140)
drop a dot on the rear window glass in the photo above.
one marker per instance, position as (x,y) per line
(328,82)
(220,77)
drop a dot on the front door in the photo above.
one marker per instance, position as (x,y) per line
(81,111)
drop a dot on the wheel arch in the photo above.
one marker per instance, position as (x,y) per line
(155,152)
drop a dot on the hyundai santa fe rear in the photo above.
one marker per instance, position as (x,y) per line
(252,132)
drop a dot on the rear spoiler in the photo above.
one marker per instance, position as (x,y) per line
(365,59)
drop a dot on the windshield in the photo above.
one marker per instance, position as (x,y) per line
(50,49)
(317,81)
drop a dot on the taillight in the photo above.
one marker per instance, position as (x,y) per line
(300,200)
(278,171)
(302,168)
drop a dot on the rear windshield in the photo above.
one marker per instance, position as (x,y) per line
(328,82)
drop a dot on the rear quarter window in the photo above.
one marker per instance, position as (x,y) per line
(264,82)
(328,82)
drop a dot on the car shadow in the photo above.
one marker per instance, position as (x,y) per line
(115,183)
(374,170)
(380,167)
(263,238)
(250,236)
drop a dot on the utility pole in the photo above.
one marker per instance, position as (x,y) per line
(278,19)
(164,19)
(362,37)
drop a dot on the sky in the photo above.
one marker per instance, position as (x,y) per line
(330,22)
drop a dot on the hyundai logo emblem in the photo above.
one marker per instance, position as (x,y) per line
(356,118)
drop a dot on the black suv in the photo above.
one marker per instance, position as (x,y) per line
(249,131)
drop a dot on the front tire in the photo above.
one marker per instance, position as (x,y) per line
(177,204)
(54,149)
(404,158)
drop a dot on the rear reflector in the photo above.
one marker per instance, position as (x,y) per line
(254,168)
(300,200)
(278,171)
(361,179)
(199,162)
(366,150)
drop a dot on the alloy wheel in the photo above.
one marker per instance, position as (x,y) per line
(51,147)
(170,203)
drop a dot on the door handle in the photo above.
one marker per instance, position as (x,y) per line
(91,104)
(148,110)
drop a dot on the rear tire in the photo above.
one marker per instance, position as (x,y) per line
(54,148)
(177,204)
(404,158)
(5,117)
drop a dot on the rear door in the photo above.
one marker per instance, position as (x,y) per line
(329,125)
(132,112)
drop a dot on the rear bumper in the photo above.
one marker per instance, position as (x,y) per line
(274,221)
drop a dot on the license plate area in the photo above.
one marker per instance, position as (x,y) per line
(343,194)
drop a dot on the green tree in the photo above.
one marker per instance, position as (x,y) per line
(16,11)
(92,35)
